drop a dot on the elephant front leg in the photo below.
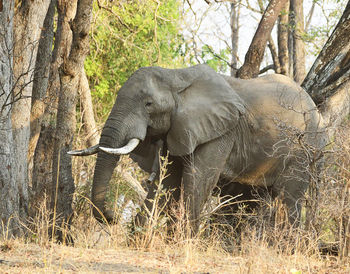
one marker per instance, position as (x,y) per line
(171,182)
(201,174)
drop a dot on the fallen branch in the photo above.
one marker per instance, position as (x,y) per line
(135,185)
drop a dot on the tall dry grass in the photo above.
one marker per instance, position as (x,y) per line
(252,239)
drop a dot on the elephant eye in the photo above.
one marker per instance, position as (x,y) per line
(148,104)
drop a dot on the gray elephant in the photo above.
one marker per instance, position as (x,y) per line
(218,130)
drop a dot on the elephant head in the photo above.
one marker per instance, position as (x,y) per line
(183,107)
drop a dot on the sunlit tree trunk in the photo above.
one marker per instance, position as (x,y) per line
(290,51)
(255,54)
(40,82)
(282,36)
(43,156)
(28,22)
(234,23)
(297,21)
(274,55)
(9,195)
(271,45)
(63,183)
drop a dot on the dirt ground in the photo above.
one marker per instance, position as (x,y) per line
(30,258)
(22,258)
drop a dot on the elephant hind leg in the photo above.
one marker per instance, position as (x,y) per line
(292,189)
(243,194)
(245,210)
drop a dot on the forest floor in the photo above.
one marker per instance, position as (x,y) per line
(19,257)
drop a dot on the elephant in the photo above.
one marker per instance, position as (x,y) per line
(217,130)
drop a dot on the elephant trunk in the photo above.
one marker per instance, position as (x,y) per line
(104,168)
(117,137)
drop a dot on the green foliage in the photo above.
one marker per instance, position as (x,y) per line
(217,61)
(127,35)
(318,34)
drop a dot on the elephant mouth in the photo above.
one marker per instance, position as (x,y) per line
(129,147)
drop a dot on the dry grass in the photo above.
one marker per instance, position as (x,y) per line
(257,247)
(254,257)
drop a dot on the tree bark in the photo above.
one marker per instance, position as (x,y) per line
(43,156)
(282,36)
(70,70)
(87,111)
(328,79)
(40,82)
(271,45)
(274,55)
(255,54)
(27,23)
(9,191)
(297,21)
(234,22)
(335,53)
(290,50)
(337,106)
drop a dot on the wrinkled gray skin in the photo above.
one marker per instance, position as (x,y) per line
(218,131)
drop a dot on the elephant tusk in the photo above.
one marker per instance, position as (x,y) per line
(84,152)
(130,146)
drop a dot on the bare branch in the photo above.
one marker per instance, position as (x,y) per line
(310,15)
(218,56)
(265,69)
(114,14)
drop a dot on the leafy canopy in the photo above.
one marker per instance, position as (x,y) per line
(127,35)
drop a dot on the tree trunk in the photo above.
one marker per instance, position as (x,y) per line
(297,21)
(70,70)
(87,111)
(290,49)
(43,156)
(274,55)
(40,83)
(27,22)
(9,194)
(234,17)
(328,79)
(337,106)
(282,36)
(255,54)
(271,45)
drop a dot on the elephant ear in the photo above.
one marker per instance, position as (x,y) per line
(207,109)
